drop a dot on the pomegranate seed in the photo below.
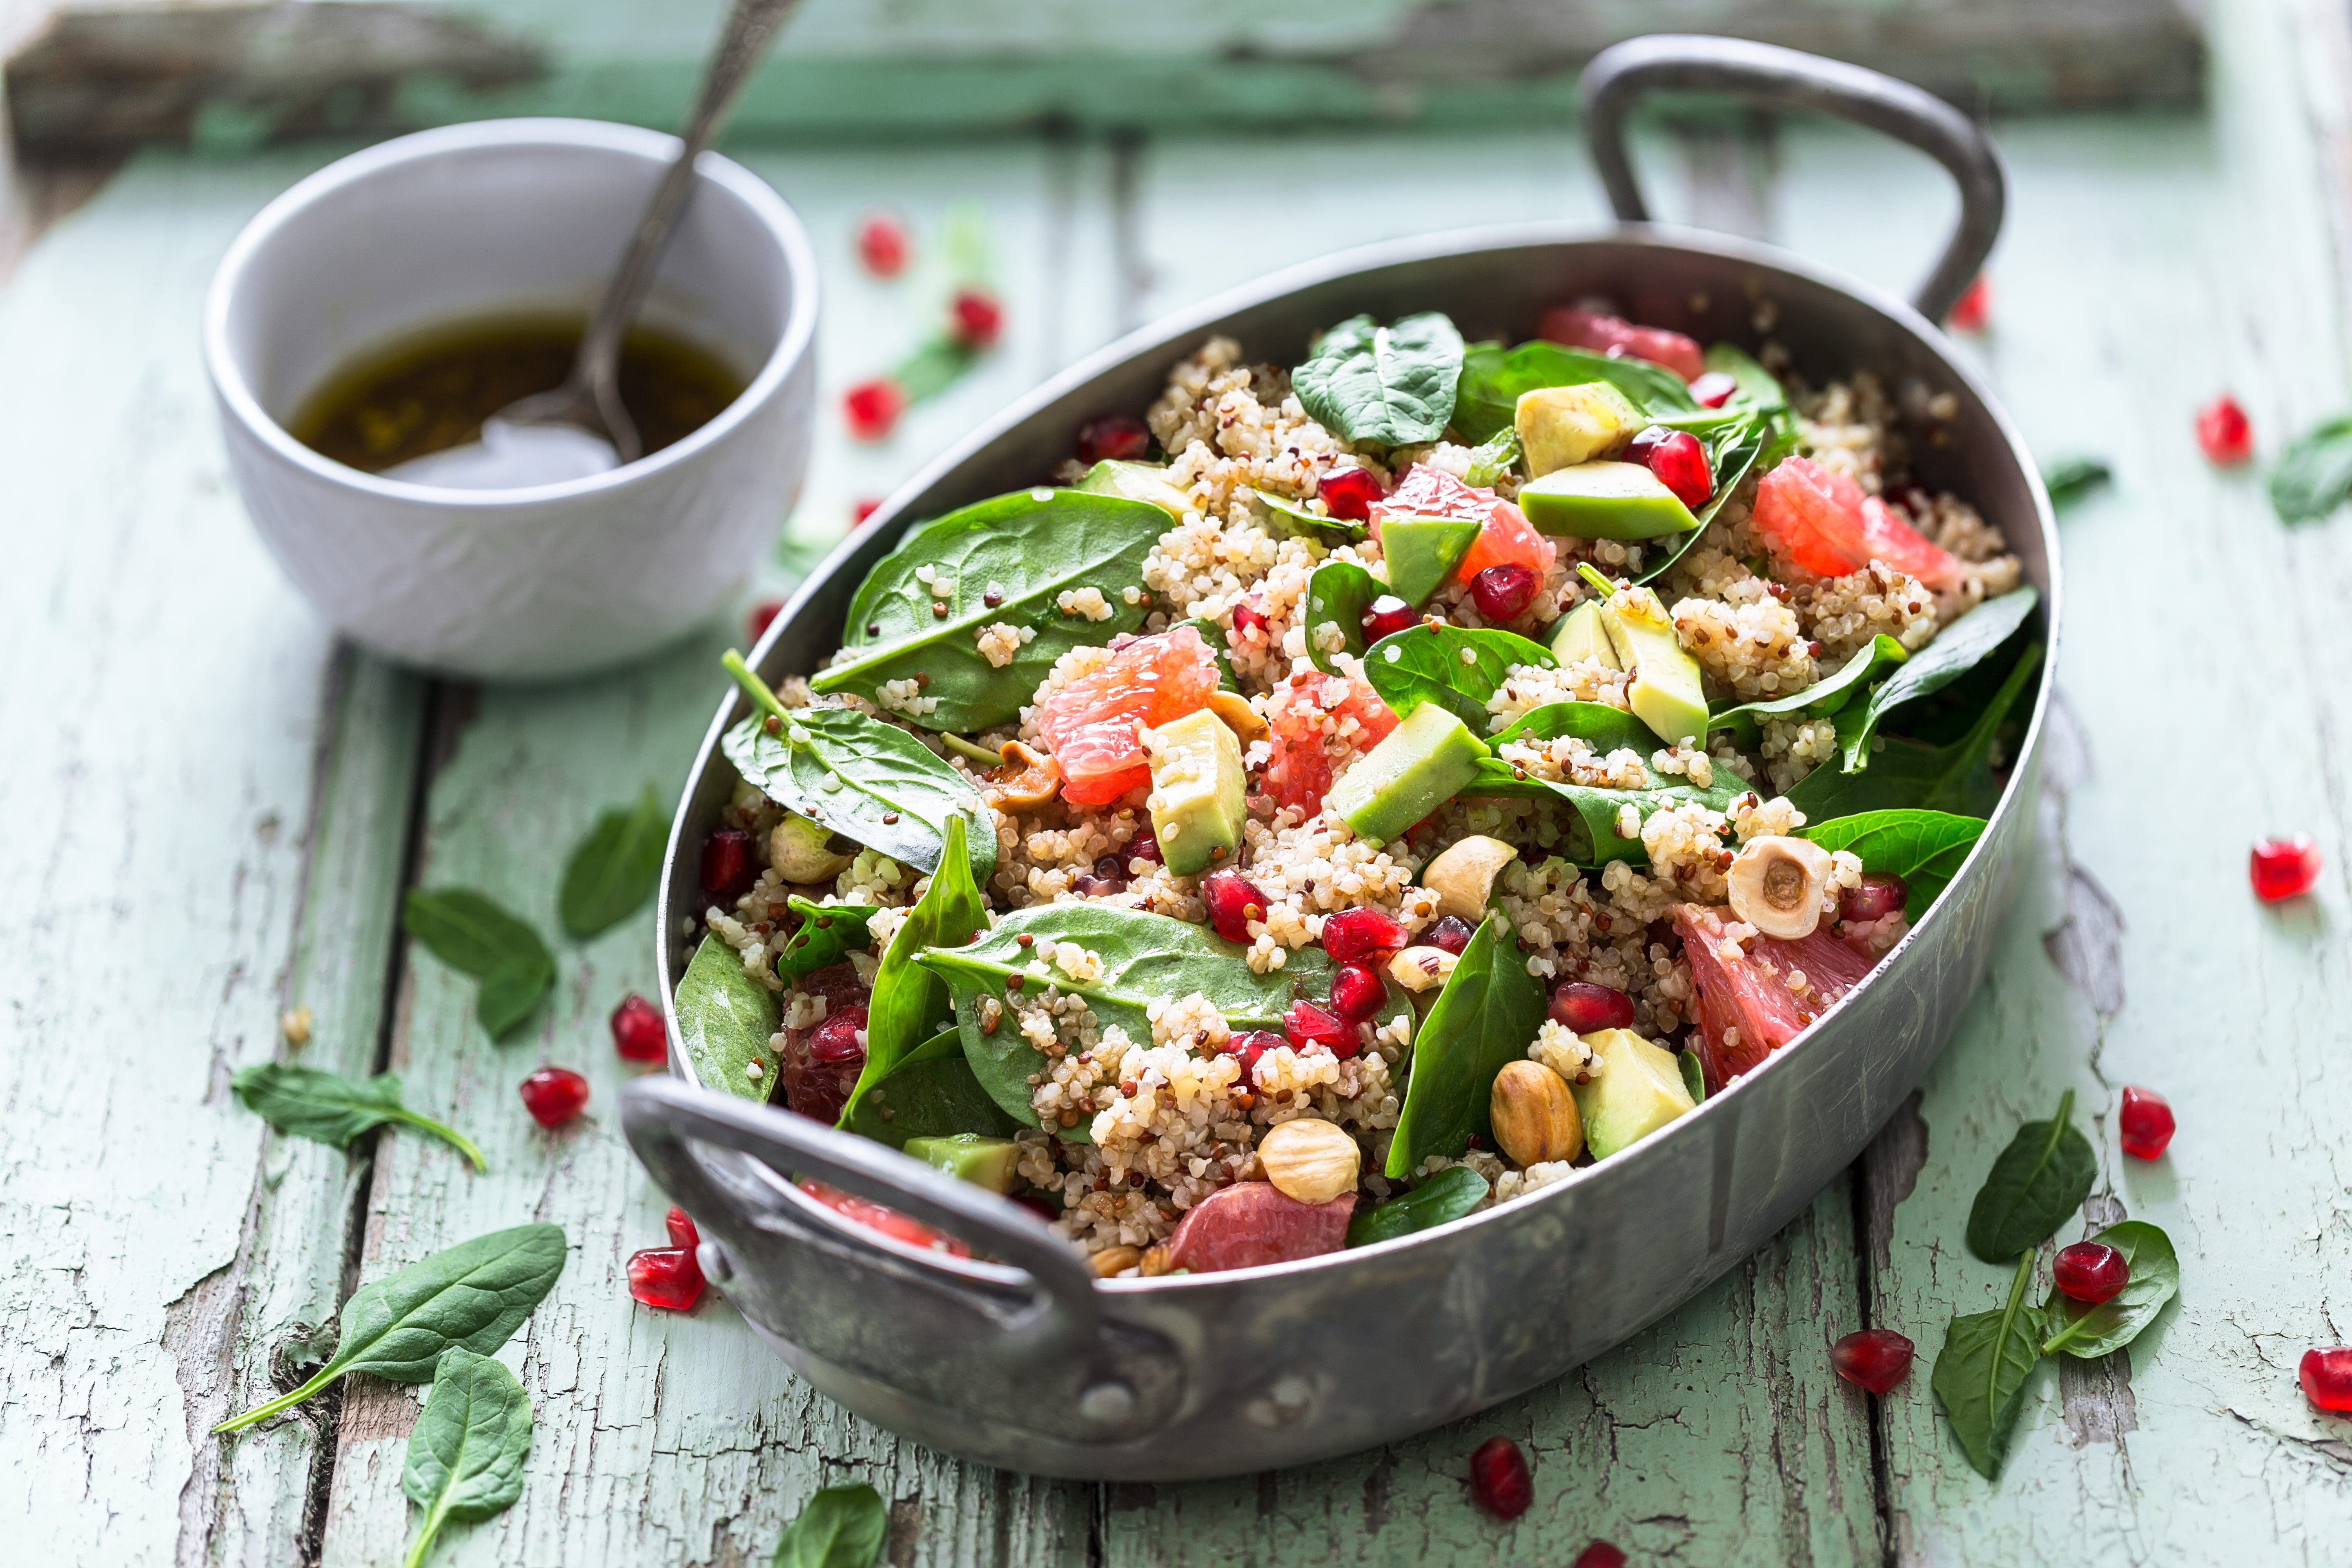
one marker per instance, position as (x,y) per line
(1357,991)
(1144,846)
(1388,616)
(1307,1024)
(1638,450)
(1680,464)
(1358,933)
(1246,1049)
(1349,493)
(762,615)
(882,246)
(862,508)
(728,867)
(553,1095)
(975,319)
(1249,616)
(1599,1554)
(2090,1271)
(1973,311)
(1582,1007)
(682,1234)
(1503,592)
(2283,869)
(1234,901)
(637,1032)
(1113,438)
(1714,389)
(2223,430)
(2326,1378)
(1499,1481)
(1039,1206)
(872,408)
(1874,1359)
(1879,895)
(834,1043)
(666,1276)
(2144,1123)
(1452,933)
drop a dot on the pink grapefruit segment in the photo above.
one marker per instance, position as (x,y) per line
(1746,1010)
(1505,535)
(1093,725)
(1252,1223)
(1823,522)
(1614,335)
(1306,712)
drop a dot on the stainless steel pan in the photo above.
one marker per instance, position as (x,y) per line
(1029,1363)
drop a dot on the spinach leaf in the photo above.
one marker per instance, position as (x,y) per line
(2040,1178)
(1338,594)
(2314,475)
(1693,1076)
(1390,385)
(1824,696)
(1454,666)
(1923,848)
(1493,377)
(725,1019)
(1294,519)
(1448,1196)
(1980,1373)
(1750,445)
(464,1457)
(1598,725)
(612,871)
(1598,810)
(2091,1332)
(1957,649)
(910,1003)
(1493,457)
(1143,956)
(1758,389)
(476,1295)
(829,934)
(1027,548)
(931,1093)
(475,936)
(2072,478)
(841,1526)
(328,1107)
(1486,1016)
(1956,778)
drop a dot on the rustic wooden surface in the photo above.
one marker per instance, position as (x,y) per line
(212,808)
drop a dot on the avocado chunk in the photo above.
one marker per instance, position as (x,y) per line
(1639,1090)
(1604,500)
(1196,791)
(983,1162)
(1665,692)
(1561,425)
(1581,636)
(1423,551)
(1136,481)
(1425,762)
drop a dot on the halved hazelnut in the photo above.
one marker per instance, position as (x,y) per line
(1234,710)
(1462,876)
(1311,1161)
(1112,1260)
(1421,968)
(1023,781)
(1776,885)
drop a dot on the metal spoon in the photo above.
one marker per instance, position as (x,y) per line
(580,428)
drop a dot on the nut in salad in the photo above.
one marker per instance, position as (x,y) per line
(1462,875)
(1313,1162)
(1534,1115)
(1777,885)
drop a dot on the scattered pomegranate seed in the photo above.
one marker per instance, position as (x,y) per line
(2224,431)
(682,1234)
(2283,869)
(862,508)
(637,1032)
(1349,493)
(1973,311)
(1307,1024)
(1249,616)
(882,246)
(1389,616)
(554,1094)
(1503,592)
(1584,1006)
(1714,389)
(872,408)
(729,868)
(1881,894)
(1599,1554)
(1361,932)
(666,1278)
(1234,901)
(1499,1479)
(1113,438)
(1144,846)
(834,1043)
(2091,1272)
(2144,1124)
(1452,933)
(1246,1049)
(762,615)
(2326,1378)
(975,319)
(1357,991)
(1680,464)
(1874,1359)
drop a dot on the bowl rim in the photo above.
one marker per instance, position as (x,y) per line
(542,133)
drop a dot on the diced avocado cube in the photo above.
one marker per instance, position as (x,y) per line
(1666,693)
(1424,761)
(1561,425)
(1639,1090)
(1197,785)
(1581,636)
(1423,551)
(1604,500)
(1136,481)
(983,1162)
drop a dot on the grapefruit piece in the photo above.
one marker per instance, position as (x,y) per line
(1298,767)
(1822,521)
(1615,335)
(1252,1223)
(1505,535)
(1092,724)
(1750,993)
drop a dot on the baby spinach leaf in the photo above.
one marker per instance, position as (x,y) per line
(1956,778)
(1980,1373)
(1027,548)
(2092,1332)
(510,993)
(613,870)
(2071,478)
(1493,457)
(1923,848)
(1957,649)
(1448,1196)
(829,934)
(725,1019)
(1693,1076)
(931,1093)
(840,1527)
(1598,725)
(1455,666)
(2314,475)
(1391,385)
(1338,594)
(1751,444)
(476,1294)
(1486,1016)
(1606,729)
(1293,518)
(464,1457)
(910,1003)
(1493,377)
(2040,1179)
(475,936)
(328,1107)
(1824,696)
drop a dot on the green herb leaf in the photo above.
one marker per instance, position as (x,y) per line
(475,936)
(1493,377)
(1338,594)
(1486,1016)
(1980,1373)
(2072,478)
(1956,778)
(1391,385)
(2035,1183)
(1924,848)
(1448,1196)
(1456,666)
(2314,475)
(863,779)
(1693,1076)
(1957,650)
(910,1003)
(1293,518)
(829,934)
(475,1295)
(1493,457)
(1606,729)
(725,1019)
(510,993)
(614,869)
(464,1457)
(1823,698)
(2093,1331)
(841,1526)
(328,1107)
(931,1093)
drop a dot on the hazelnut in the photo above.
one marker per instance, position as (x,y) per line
(1313,1162)
(1534,1115)
(1462,877)
(1024,781)
(1155,1261)
(1113,1261)
(1421,968)
(1776,885)
(1232,709)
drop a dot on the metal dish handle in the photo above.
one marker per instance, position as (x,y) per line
(1621,75)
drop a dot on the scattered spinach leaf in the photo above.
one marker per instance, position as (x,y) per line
(931,1093)
(1957,649)
(2314,475)
(1390,385)
(829,934)
(1448,1196)
(910,1003)
(1980,1373)
(1924,848)
(2040,1179)
(464,1457)
(1824,697)
(1455,666)
(328,1107)
(612,871)
(1606,729)
(725,1019)
(1493,457)
(1486,1016)
(2091,1332)
(1956,778)
(840,1527)
(510,993)
(1293,518)
(1338,594)
(1493,377)
(2071,478)
(475,936)
(1693,1076)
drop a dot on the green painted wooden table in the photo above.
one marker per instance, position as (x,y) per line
(211,807)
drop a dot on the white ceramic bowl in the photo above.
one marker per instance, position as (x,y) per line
(523,215)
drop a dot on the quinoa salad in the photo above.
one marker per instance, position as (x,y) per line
(1356,793)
